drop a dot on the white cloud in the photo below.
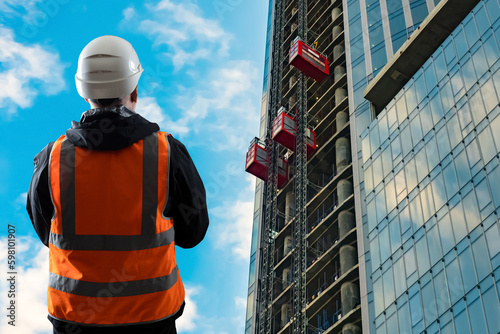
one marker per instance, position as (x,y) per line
(181,27)
(128,13)
(32,264)
(21,200)
(240,302)
(27,70)
(187,321)
(221,109)
(234,228)
(12,6)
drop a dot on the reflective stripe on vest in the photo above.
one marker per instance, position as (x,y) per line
(112,253)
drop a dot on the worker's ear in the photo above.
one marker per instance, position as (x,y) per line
(133,96)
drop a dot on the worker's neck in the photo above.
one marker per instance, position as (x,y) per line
(127,103)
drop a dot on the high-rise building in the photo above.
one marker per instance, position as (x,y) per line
(405,239)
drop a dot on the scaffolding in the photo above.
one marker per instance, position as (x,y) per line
(308,268)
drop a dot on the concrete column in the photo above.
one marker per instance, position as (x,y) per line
(338,72)
(338,50)
(346,223)
(348,258)
(340,95)
(349,295)
(344,190)
(286,277)
(342,153)
(287,246)
(285,313)
(289,206)
(341,119)
(351,329)
(292,81)
(336,12)
(336,31)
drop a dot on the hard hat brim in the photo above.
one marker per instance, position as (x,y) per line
(107,89)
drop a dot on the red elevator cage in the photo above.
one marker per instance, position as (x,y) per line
(285,131)
(257,163)
(308,61)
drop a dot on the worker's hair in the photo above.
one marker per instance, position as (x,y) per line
(106,102)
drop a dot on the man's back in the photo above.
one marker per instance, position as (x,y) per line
(111,198)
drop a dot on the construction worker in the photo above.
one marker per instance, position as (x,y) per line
(110,199)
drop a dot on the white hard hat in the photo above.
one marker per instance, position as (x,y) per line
(108,67)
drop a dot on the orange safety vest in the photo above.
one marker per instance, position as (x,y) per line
(112,255)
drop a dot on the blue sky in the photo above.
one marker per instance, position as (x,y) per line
(202,82)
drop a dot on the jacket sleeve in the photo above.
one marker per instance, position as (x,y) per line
(39,203)
(186,201)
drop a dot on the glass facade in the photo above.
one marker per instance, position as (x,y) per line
(430,185)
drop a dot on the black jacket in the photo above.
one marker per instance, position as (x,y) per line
(113,129)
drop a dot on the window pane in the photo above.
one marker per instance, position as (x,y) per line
(480,62)
(473,153)
(476,317)
(395,234)
(454,281)
(422,256)
(385,249)
(489,95)
(404,319)
(387,160)
(454,131)
(472,213)
(421,161)
(415,309)
(381,210)
(388,288)
(434,244)
(390,194)
(446,233)
(461,322)
(483,194)
(458,219)
(462,168)
(404,216)
(410,264)
(429,303)
(441,290)
(492,237)
(436,108)
(467,268)
(426,119)
(392,324)
(427,203)
(488,149)
(411,175)
(443,142)
(374,251)
(416,129)
(481,261)
(378,296)
(492,310)
(406,144)
(494,179)
(476,104)
(432,153)
(399,277)
(416,213)
(439,191)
